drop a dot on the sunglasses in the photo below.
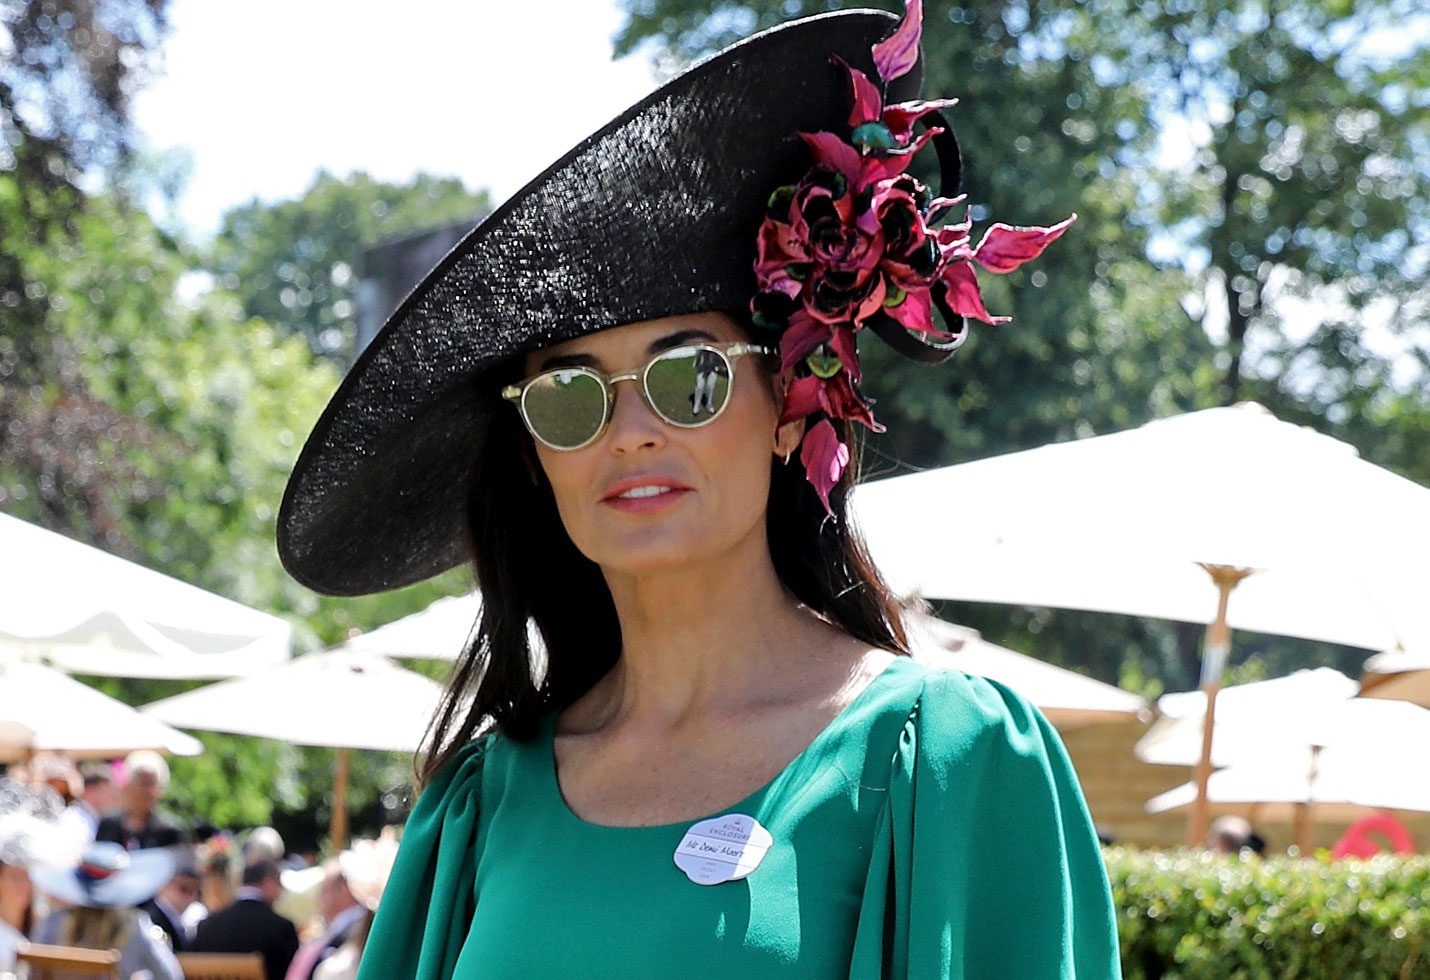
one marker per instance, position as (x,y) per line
(569,407)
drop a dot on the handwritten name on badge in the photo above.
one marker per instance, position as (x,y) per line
(722,849)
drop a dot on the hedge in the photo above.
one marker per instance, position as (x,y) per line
(1185,916)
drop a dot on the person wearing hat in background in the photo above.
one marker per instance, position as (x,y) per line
(628,396)
(250,925)
(29,835)
(366,866)
(169,909)
(140,823)
(340,912)
(102,892)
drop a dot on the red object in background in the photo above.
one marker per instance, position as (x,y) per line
(1357,840)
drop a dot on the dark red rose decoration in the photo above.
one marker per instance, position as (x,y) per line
(856,239)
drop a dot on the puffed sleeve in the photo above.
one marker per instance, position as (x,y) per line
(426,907)
(985,863)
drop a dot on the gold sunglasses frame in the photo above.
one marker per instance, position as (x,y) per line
(730,353)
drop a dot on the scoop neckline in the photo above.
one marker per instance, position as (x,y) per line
(553,781)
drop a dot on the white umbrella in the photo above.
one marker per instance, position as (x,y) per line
(91,612)
(1168,520)
(1338,548)
(1398,674)
(1068,699)
(1250,718)
(338,699)
(438,632)
(44,710)
(1340,761)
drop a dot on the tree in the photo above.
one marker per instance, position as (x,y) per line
(292,264)
(67,69)
(157,426)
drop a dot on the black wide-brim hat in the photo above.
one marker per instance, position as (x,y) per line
(654,215)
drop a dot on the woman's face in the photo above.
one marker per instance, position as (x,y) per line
(649,496)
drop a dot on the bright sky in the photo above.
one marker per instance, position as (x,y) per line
(266,93)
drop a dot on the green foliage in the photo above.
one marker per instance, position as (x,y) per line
(1202,917)
(293,263)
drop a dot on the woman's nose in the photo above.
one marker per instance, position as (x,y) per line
(633,424)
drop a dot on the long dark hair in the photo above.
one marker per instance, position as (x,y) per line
(530,573)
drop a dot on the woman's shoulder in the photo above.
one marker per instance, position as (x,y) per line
(947,715)
(969,701)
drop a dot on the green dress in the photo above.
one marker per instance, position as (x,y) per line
(934,830)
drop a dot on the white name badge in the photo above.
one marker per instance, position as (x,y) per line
(722,849)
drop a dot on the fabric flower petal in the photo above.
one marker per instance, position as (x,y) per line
(1005,247)
(832,151)
(899,52)
(963,296)
(915,312)
(900,118)
(868,104)
(802,397)
(845,346)
(824,458)
(804,334)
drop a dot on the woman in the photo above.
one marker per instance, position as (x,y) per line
(720,762)
(101,892)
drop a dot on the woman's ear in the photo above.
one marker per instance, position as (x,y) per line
(787,439)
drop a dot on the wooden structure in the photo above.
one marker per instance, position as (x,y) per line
(221,966)
(40,962)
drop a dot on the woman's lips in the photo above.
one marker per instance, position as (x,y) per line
(644,496)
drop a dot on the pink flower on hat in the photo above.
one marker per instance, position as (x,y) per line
(857,238)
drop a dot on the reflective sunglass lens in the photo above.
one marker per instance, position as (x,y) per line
(688,386)
(565,409)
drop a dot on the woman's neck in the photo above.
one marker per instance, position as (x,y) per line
(701,638)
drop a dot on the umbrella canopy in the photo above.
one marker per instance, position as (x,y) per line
(44,710)
(337,699)
(438,632)
(1250,718)
(91,612)
(1346,759)
(1128,522)
(1399,675)
(1068,699)
(340,699)
(1222,517)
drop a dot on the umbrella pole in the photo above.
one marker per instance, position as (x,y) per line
(1303,821)
(338,822)
(1214,656)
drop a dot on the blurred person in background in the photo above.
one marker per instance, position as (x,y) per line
(340,911)
(218,867)
(80,821)
(140,824)
(169,908)
(263,844)
(101,893)
(1233,835)
(58,773)
(250,925)
(366,867)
